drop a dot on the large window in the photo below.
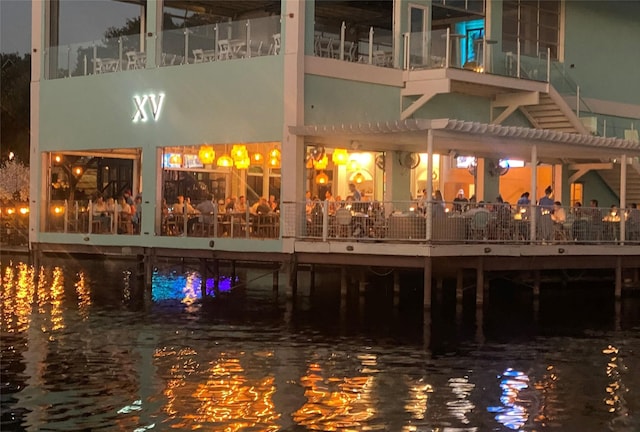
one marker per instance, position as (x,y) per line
(534,23)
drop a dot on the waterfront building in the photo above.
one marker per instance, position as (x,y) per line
(250,99)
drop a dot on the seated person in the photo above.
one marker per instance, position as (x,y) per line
(261,207)
(273,203)
(558,214)
(240,205)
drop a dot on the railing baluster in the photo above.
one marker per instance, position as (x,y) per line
(342,35)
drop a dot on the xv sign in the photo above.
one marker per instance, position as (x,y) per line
(147,104)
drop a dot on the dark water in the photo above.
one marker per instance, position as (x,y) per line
(77,356)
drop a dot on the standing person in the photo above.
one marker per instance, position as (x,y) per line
(524,200)
(207,209)
(546,202)
(355,193)
(331,202)
(460,202)
(546,207)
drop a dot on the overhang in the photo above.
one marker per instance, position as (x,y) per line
(464,137)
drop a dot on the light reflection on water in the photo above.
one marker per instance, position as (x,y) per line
(75,356)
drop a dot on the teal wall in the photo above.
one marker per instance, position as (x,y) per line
(596,188)
(330,100)
(456,106)
(219,102)
(603,42)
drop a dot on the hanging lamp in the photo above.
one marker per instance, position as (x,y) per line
(322,178)
(239,152)
(206,154)
(340,156)
(322,163)
(225,160)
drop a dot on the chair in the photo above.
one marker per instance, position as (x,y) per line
(224,49)
(343,222)
(98,66)
(132,60)
(255,49)
(274,49)
(480,225)
(267,225)
(350,53)
(125,225)
(198,56)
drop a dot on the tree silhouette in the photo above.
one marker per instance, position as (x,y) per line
(15,106)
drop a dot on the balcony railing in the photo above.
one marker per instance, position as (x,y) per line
(410,222)
(222,41)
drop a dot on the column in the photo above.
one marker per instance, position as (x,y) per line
(151,25)
(293,16)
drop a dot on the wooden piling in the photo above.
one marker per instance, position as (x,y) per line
(480,282)
(618,287)
(396,288)
(427,283)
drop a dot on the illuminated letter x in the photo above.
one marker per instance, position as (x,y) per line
(139,103)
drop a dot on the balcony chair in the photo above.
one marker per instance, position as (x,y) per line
(198,56)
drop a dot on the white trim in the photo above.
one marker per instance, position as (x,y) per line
(353,71)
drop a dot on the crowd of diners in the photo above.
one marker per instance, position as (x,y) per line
(549,211)
(207,210)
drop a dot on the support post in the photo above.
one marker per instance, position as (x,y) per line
(459,286)
(480,282)
(216,278)
(312,278)
(618,288)
(343,282)
(396,288)
(276,273)
(536,284)
(623,196)
(292,280)
(204,272)
(233,271)
(533,210)
(427,283)
(362,282)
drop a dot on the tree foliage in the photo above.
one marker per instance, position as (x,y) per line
(14,181)
(15,105)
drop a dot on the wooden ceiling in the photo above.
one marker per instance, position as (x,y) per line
(377,13)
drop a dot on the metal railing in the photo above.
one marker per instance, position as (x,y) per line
(460,223)
(222,41)
(411,222)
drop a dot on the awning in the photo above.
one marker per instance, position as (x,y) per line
(464,137)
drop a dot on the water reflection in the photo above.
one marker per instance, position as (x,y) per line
(512,413)
(74,357)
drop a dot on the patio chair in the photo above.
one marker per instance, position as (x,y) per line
(343,221)
(224,49)
(198,56)
(480,225)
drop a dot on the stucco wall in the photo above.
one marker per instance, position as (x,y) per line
(220,102)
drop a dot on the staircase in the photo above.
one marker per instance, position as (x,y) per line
(552,112)
(612,179)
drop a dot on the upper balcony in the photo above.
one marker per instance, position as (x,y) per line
(450,36)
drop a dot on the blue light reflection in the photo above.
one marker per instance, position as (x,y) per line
(511,414)
(185,287)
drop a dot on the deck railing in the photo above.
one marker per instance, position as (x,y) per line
(460,223)
(408,222)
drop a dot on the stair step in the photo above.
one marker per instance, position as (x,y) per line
(548,113)
(551,118)
(539,108)
(554,125)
